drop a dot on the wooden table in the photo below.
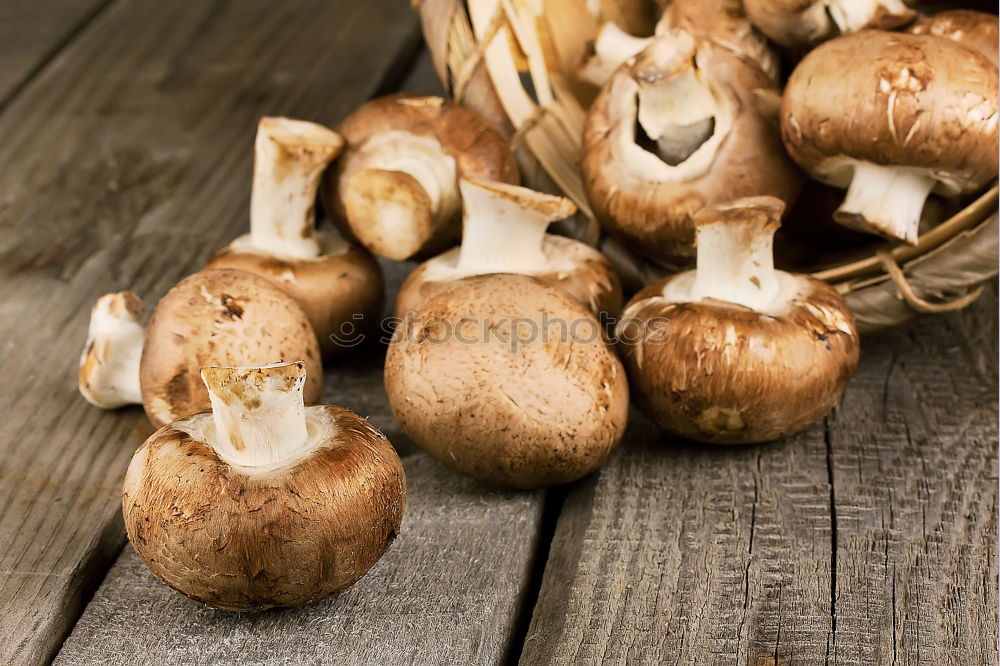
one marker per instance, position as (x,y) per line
(127,128)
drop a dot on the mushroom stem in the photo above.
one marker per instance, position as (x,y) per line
(676,107)
(259,413)
(735,257)
(611,48)
(504,227)
(289,159)
(109,365)
(405,193)
(853,15)
(886,200)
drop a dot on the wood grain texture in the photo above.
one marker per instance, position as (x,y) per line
(125,163)
(869,539)
(30,35)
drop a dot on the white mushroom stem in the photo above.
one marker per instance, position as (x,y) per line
(735,257)
(853,15)
(676,107)
(886,200)
(259,413)
(612,47)
(109,365)
(399,189)
(289,159)
(504,227)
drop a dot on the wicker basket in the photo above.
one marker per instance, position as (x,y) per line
(508,60)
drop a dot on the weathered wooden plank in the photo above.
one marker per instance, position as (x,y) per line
(870,537)
(124,164)
(31,35)
(913,454)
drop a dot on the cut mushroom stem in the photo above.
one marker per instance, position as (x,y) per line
(886,200)
(289,159)
(611,48)
(677,108)
(504,226)
(853,15)
(109,365)
(259,413)
(406,194)
(735,256)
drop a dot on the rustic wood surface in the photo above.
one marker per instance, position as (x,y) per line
(869,539)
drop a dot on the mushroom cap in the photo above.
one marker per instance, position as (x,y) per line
(333,289)
(722,373)
(220,317)
(653,217)
(972,29)
(799,24)
(478,149)
(576,268)
(475,383)
(915,101)
(246,538)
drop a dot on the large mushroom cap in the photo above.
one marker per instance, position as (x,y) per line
(220,317)
(736,352)
(509,381)
(915,101)
(245,538)
(716,145)
(394,188)
(972,29)
(341,290)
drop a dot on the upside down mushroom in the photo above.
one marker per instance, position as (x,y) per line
(509,381)
(736,352)
(923,118)
(336,282)
(214,317)
(395,187)
(799,24)
(504,232)
(263,501)
(677,128)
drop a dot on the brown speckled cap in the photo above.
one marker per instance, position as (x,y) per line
(972,29)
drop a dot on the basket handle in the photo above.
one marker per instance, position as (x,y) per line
(906,292)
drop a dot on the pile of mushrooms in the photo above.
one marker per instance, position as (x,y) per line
(263,501)
(499,367)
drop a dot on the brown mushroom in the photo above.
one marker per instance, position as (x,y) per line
(972,29)
(263,501)
(395,188)
(676,128)
(922,117)
(504,232)
(508,380)
(213,317)
(735,351)
(337,283)
(799,24)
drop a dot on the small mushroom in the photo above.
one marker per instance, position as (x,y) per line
(676,128)
(395,188)
(892,117)
(337,283)
(508,380)
(799,24)
(215,317)
(504,232)
(972,29)
(721,21)
(735,351)
(263,501)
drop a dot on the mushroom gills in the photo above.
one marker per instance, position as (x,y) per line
(258,417)
(886,200)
